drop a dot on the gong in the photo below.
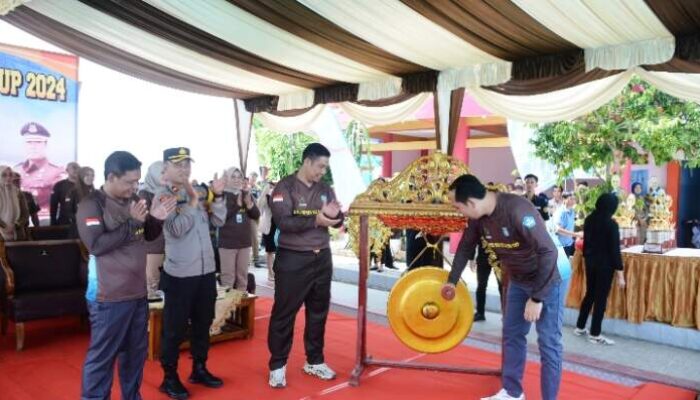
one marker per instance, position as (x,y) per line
(421,318)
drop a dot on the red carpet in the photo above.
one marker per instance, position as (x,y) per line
(49,368)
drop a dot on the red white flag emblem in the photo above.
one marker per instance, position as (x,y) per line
(92,221)
(277,198)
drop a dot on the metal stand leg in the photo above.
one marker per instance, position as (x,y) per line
(362,303)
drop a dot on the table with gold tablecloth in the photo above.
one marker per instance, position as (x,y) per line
(660,287)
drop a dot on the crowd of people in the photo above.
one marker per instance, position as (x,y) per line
(209,233)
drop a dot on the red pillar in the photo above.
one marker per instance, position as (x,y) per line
(387,167)
(626,178)
(673,186)
(460,152)
(387,164)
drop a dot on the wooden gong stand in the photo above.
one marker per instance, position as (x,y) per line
(364,360)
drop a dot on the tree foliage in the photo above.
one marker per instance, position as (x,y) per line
(282,152)
(641,120)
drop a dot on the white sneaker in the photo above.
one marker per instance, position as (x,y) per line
(600,339)
(321,371)
(278,378)
(503,395)
(580,332)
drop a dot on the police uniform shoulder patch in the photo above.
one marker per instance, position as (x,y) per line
(529,221)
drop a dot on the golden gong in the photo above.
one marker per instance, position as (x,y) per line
(422,319)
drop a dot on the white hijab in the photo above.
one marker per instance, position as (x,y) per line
(9,199)
(153,181)
(230,187)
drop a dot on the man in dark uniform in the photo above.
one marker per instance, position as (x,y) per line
(61,210)
(509,227)
(32,207)
(38,174)
(303,208)
(540,201)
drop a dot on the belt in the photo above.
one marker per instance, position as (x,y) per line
(315,251)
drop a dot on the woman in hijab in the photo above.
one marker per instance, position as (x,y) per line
(601,251)
(82,188)
(155,250)
(268,228)
(236,237)
(13,208)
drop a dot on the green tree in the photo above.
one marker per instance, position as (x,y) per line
(282,152)
(641,120)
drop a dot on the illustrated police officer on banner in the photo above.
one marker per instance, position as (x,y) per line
(38,174)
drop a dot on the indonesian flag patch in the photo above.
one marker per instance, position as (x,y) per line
(277,198)
(92,221)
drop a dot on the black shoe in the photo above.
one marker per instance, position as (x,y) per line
(201,376)
(374,269)
(479,317)
(392,266)
(172,386)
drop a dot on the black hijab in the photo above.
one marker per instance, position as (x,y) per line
(601,217)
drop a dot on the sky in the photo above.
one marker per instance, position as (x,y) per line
(119,112)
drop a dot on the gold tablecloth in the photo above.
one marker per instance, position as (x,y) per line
(663,288)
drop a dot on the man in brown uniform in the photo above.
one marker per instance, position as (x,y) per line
(509,227)
(61,208)
(303,208)
(114,224)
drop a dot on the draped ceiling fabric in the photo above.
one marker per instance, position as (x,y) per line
(283,56)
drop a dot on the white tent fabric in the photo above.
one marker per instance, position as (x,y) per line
(576,101)
(382,23)
(322,122)
(348,179)
(559,105)
(390,114)
(150,47)
(220,18)
(614,34)
(369,116)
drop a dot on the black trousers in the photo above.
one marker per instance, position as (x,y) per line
(301,278)
(387,258)
(570,250)
(187,299)
(598,282)
(415,245)
(483,270)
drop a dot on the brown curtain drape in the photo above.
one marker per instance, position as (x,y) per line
(244,127)
(150,19)
(456,98)
(293,17)
(92,49)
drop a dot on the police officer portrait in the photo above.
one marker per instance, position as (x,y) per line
(42,156)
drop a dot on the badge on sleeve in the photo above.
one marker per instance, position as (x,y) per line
(324,198)
(278,198)
(529,221)
(92,221)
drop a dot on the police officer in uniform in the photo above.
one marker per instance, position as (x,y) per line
(303,208)
(62,208)
(38,174)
